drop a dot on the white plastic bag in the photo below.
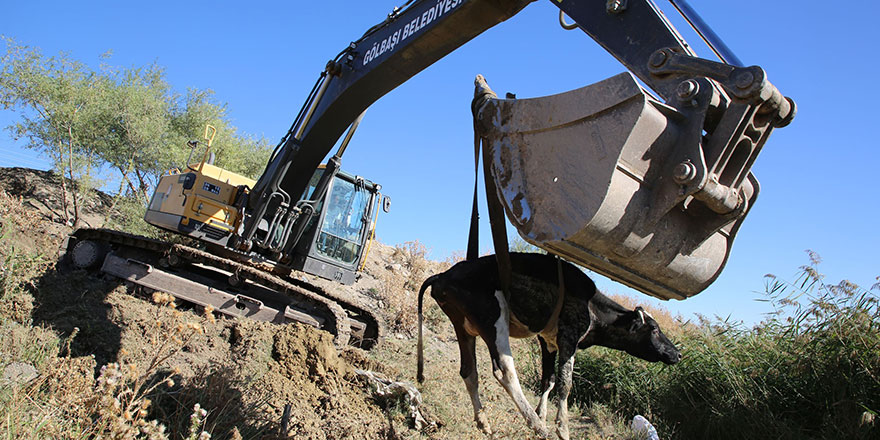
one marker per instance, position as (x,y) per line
(643,426)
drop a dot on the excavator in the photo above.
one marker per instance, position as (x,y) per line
(644,177)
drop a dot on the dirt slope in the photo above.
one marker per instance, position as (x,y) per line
(243,373)
(268,366)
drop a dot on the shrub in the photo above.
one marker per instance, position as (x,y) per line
(400,284)
(64,400)
(16,270)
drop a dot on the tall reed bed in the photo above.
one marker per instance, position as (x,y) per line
(810,370)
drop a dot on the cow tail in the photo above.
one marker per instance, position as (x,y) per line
(421,357)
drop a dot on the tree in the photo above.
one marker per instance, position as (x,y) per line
(241,154)
(126,119)
(138,138)
(55,98)
(520,245)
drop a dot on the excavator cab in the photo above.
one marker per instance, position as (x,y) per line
(337,239)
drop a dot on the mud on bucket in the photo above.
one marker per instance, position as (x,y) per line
(587,175)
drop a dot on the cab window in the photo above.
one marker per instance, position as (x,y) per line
(344,221)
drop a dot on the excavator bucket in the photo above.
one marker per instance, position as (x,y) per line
(597,176)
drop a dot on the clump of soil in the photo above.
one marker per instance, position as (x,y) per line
(308,374)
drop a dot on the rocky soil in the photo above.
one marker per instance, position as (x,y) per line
(257,368)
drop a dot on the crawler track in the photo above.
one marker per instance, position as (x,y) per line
(234,284)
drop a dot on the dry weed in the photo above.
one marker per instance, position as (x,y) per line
(414,257)
(456,257)
(20,264)
(17,274)
(400,283)
(16,217)
(64,401)
(121,400)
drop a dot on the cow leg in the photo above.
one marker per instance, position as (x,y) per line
(548,377)
(504,370)
(468,372)
(566,350)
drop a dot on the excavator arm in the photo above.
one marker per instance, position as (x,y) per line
(707,131)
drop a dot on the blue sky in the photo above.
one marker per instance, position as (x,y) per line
(818,175)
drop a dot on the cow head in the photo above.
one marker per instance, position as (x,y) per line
(646,341)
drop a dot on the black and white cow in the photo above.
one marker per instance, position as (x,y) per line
(564,318)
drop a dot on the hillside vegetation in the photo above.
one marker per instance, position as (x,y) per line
(811,370)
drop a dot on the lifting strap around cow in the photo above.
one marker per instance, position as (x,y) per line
(497,222)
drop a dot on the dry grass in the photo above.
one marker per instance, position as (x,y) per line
(65,401)
(25,229)
(48,405)
(672,325)
(409,267)
(20,260)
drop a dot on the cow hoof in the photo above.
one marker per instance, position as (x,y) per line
(542,414)
(540,429)
(483,425)
(562,433)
